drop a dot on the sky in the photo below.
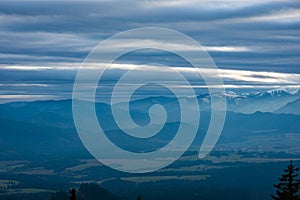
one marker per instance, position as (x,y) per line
(255,44)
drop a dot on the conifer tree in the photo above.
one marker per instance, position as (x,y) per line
(73,194)
(288,186)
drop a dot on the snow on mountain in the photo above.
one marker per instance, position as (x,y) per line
(245,102)
(263,101)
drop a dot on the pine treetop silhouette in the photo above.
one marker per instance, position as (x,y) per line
(288,186)
(73,194)
(139,198)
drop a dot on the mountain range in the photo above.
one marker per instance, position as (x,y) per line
(258,121)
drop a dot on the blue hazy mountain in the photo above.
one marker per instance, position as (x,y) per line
(290,108)
(251,102)
(268,101)
(39,128)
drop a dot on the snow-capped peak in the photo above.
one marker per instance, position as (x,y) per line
(291,91)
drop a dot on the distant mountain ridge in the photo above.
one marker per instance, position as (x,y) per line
(47,127)
(290,108)
(265,101)
(247,103)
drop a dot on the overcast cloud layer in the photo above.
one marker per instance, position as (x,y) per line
(43,42)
